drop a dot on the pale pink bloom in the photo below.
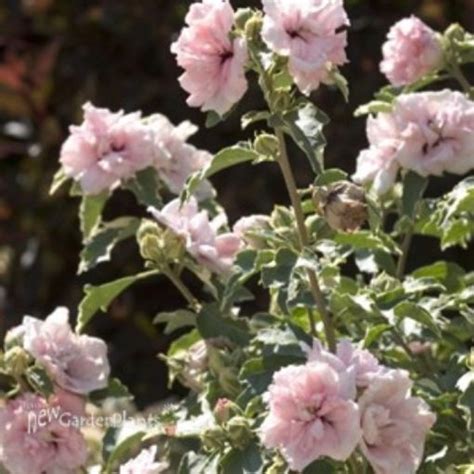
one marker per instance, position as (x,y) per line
(436,132)
(202,240)
(176,159)
(144,463)
(213,63)
(106,148)
(426,132)
(33,440)
(247,225)
(363,362)
(394,424)
(411,51)
(356,366)
(310,415)
(377,164)
(69,402)
(77,363)
(308,33)
(347,374)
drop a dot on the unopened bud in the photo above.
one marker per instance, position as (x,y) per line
(214,438)
(17,361)
(242,16)
(223,410)
(239,432)
(159,245)
(343,204)
(455,32)
(14,337)
(266,145)
(253,27)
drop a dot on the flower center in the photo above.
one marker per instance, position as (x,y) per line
(226,55)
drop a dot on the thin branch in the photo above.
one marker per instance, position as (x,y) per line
(304,240)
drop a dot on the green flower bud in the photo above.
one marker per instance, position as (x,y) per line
(455,32)
(17,361)
(242,16)
(214,438)
(253,27)
(159,245)
(239,432)
(266,145)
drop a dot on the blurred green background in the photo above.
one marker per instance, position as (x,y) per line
(57,54)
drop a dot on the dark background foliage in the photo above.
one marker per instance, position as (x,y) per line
(57,54)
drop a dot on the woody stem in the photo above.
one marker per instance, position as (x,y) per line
(315,288)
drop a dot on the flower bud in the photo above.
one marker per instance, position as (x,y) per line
(17,361)
(224,409)
(266,145)
(343,204)
(14,337)
(214,438)
(239,432)
(242,15)
(159,245)
(253,27)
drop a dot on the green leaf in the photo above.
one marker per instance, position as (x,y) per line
(305,125)
(277,274)
(283,81)
(211,323)
(373,333)
(252,117)
(373,107)
(120,453)
(372,261)
(183,343)
(193,463)
(246,461)
(90,214)
(320,466)
(466,404)
(59,180)
(39,379)
(461,198)
(176,320)
(457,232)
(449,274)
(330,176)
(115,389)
(406,309)
(212,119)
(364,239)
(240,153)
(100,244)
(99,297)
(414,187)
(146,187)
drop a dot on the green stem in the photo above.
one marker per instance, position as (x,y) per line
(402,261)
(457,73)
(181,287)
(315,288)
